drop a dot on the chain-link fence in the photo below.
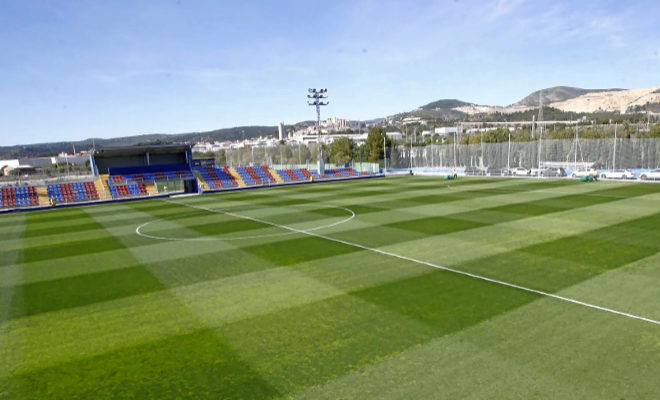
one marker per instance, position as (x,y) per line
(602,153)
(40,178)
(288,156)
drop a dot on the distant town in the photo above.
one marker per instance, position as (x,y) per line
(331,129)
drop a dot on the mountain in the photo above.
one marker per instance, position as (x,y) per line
(48,149)
(564,98)
(442,109)
(616,100)
(444,104)
(557,93)
(564,101)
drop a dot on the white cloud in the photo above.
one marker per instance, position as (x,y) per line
(505,7)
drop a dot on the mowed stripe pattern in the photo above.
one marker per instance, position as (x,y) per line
(90,309)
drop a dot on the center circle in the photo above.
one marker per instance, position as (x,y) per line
(290,230)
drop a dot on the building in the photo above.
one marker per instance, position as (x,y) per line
(335,123)
(30,164)
(394,135)
(280,130)
(412,120)
(478,130)
(449,130)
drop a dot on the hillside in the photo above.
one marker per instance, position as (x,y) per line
(444,104)
(44,149)
(557,93)
(612,100)
(565,101)
(564,98)
(441,109)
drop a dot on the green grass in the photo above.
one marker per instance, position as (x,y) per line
(89,309)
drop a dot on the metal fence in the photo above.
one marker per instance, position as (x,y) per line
(603,153)
(288,156)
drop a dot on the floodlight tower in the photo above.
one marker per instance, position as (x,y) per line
(316,98)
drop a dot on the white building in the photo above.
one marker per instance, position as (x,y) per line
(394,135)
(280,130)
(449,130)
(335,123)
(202,147)
(477,130)
(412,120)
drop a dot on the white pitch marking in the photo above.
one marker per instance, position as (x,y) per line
(208,238)
(456,271)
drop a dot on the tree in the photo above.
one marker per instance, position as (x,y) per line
(221,158)
(341,151)
(203,154)
(375,143)
(654,131)
(361,153)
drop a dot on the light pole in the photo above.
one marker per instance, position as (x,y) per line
(316,97)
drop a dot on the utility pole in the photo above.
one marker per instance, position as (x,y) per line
(540,128)
(508,156)
(541,106)
(575,150)
(454,150)
(411,152)
(385,153)
(317,97)
(540,147)
(431,151)
(614,152)
(483,156)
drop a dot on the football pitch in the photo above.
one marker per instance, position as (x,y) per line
(410,287)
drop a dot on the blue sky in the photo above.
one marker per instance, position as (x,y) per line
(71,70)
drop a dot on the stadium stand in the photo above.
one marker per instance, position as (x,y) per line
(215,178)
(20,196)
(131,189)
(258,174)
(203,184)
(70,192)
(267,174)
(151,188)
(294,175)
(276,175)
(247,177)
(299,174)
(284,175)
(341,173)
(234,174)
(42,194)
(334,172)
(150,174)
(315,174)
(140,180)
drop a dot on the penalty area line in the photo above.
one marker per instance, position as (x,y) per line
(429,264)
